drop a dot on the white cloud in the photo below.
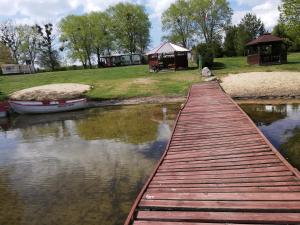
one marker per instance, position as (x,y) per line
(158,7)
(267,12)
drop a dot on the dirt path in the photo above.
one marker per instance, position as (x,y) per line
(263,85)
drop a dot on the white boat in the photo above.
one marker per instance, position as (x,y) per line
(35,107)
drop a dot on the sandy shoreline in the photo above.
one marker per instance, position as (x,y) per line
(262,85)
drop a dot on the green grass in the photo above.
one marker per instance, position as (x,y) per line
(108,83)
(223,66)
(136,81)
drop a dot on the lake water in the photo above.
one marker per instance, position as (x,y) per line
(281,125)
(87,167)
(83,167)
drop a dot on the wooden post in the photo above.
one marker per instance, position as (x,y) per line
(175,60)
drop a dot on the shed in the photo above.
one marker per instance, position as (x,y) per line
(168,56)
(16,69)
(267,49)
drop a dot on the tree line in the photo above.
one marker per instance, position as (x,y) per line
(204,25)
(123,27)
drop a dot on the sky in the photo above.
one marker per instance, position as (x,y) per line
(42,11)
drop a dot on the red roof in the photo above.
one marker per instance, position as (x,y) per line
(266,38)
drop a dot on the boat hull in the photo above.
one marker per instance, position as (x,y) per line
(38,107)
(3,114)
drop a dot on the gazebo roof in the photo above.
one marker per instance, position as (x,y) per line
(167,47)
(266,38)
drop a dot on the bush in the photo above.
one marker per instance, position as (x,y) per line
(207,54)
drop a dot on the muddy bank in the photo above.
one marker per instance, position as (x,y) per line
(140,100)
(263,85)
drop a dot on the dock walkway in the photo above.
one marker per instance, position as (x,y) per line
(218,169)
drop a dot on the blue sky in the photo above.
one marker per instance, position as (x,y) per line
(39,11)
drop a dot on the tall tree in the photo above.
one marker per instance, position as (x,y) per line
(249,28)
(211,17)
(290,18)
(253,25)
(178,21)
(230,47)
(101,32)
(9,36)
(49,56)
(72,38)
(30,43)
(131,27)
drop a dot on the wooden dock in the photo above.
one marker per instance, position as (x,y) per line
(218,169)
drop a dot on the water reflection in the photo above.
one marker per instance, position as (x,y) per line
(83,167)
(281,125)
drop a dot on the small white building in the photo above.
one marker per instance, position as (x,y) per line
(16,69)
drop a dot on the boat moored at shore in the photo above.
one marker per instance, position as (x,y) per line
(52,106)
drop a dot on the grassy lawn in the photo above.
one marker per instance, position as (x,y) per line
(136,81)
(108,83)
(224,66)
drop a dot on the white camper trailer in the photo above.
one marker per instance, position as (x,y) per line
(16,69)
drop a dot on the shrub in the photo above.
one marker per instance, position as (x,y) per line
(207,54)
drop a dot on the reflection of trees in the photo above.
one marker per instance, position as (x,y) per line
(77,195)
(71,181)
(291,148)
(264,114)
(11,207)
(134,124)
(54,129)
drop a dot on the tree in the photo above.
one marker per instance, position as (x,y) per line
(30,43)
(290,19)
(46,62)
(230,48)
(211,17)
(249,28)
(130,26)
(101,33)
(77,32)
(178,21)
(49,56)
(5,56)
(253,25)
(9,36)
(72,37)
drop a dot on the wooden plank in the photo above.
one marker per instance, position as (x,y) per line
(257,206)
(228,180)
(221,217)
(289,196)
(220,168)
(229,171)
(221,176)
(221,185)
(224,189)
(222,164)
(140,222)
(239,158)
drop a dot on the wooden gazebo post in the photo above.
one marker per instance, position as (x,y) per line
(175,60)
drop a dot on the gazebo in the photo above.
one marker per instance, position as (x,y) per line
(168,56)
(267,49)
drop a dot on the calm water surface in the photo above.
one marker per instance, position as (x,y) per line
(82,167)
(87,167)
(281,125)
